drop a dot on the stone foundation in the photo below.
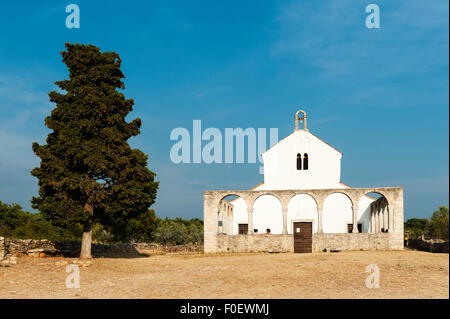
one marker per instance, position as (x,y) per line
(357,241)
(254,243)
(320,242)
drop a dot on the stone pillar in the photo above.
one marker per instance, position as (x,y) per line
(355,219)
(250,221)
(385,218)
(379,219)
(320,217)
(210,222)
(371,219)
(375,221)
(390,209)
(219,219)
(285,231)
(375,218)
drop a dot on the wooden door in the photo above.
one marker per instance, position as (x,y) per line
(302,237)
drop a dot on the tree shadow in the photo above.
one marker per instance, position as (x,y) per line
(72,249)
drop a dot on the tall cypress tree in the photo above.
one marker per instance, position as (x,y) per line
(88,172)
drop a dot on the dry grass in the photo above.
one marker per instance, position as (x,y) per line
(406,274)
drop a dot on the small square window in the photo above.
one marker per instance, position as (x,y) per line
(243,229)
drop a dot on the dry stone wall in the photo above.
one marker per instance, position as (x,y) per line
(432,245)
(44,248)
(2,248)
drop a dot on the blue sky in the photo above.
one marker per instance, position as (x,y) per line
(378,95)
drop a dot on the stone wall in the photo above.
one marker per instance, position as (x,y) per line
(2,248)
(357,241)
(320,242)
(44,248)
(434,246)
(16,247)
(254,243)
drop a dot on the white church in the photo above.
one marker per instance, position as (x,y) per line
(302,205)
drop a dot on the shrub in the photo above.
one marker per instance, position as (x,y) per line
(417,227)
(439,223)
(179,231)
(436,227)
(16,223)
(101,235)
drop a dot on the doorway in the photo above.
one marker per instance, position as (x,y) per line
(302,237)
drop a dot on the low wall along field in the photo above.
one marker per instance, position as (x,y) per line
(431,245)
(228,243)
(45,248)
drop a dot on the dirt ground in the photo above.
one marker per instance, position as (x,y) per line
(405,274)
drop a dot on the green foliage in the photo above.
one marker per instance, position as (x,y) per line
(11,216)
(137,229)
(179,231)
(87,162)
(436,227)
(416,227)
(101,235)
(439,223)
(16,223)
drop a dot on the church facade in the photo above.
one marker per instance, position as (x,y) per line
(302,205)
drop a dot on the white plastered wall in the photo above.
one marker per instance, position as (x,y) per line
(267,213)
(301,207)
(240,214)
(280,165)
(337,213)
(364,212)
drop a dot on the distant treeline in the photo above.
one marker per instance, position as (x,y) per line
(17,223)
(436,227)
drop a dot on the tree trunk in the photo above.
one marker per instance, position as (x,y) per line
(86,240)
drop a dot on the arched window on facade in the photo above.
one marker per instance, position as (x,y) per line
(305,161)
(299,162)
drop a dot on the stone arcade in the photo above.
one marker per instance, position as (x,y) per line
(302,206)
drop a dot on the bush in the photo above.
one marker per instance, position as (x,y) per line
(101,235)
(439,223)
(417,227)
(142,228)
(16,223)
(11,216)
(437,227)
(179,231)
(137,229)
(195,233)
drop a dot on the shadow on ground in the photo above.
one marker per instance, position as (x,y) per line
(72,250)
